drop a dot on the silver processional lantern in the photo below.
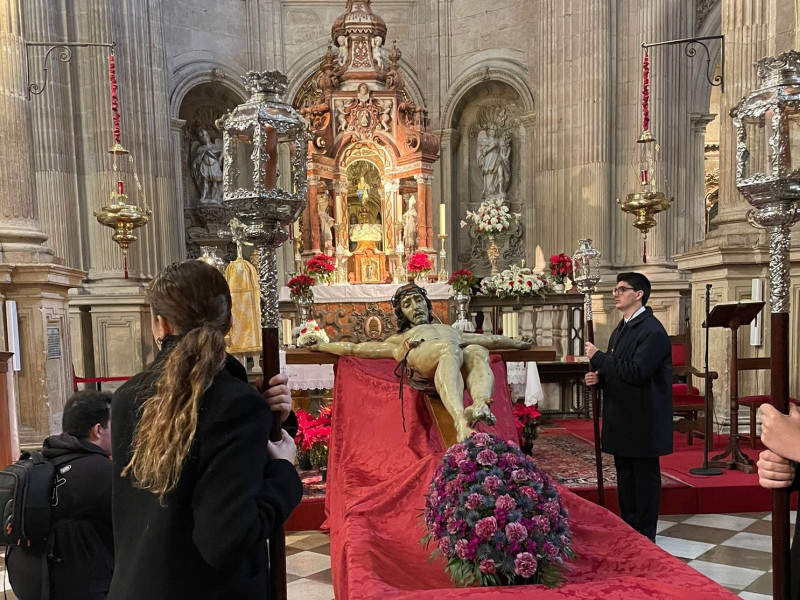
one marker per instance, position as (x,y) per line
(768,176)
(586,267)
(264,177)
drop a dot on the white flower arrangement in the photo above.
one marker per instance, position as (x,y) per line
(311,333)
(516,282)
(491,218)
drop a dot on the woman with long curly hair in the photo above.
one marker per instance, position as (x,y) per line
(198,487)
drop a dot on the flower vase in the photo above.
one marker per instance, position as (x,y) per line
(323,471)
(493,253)
(527,448)
(303,306)
(303,461)
(463,323)
(558,288)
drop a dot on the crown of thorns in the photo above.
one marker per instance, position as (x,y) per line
(407,290)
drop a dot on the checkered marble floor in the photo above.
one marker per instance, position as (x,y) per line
(732,549)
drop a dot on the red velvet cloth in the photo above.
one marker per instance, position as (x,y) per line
(378,476)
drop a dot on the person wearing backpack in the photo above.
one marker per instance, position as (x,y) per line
(198,488)
(80,551)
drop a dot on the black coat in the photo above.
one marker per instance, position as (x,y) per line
(209,539)
(83,542)
(636,379)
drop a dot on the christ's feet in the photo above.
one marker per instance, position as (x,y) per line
(480,411)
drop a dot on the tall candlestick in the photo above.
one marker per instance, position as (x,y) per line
(442,229)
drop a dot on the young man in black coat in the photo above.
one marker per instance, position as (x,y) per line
(82,558)
(635,374)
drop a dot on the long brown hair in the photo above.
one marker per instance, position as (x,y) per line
(196,301)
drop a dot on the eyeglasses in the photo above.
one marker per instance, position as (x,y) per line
(620,290)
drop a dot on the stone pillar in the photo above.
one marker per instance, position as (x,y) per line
(570,136)
(691,213)
(527,187)
(746,40)
(53,135)
(20,234)
(27,274)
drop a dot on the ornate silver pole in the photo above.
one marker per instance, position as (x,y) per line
(586,265)
(768,176)
(256,136)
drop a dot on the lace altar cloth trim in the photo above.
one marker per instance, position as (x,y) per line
(367,292)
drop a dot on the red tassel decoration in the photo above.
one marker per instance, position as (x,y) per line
(646,92)
(114,100)
(644,250)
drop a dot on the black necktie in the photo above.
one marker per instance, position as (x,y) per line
(617,334)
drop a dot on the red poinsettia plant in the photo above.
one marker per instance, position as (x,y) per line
(419,263)
(313,434)
(321,266)
(526,418)
(560,267)
(300,287)
(462,281)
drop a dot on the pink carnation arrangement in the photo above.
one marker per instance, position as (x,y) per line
(495,518)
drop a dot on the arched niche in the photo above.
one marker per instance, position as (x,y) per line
(200,147)
(487,136)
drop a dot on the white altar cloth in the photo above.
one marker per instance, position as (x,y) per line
(307,377)
(366,292)
(525,383)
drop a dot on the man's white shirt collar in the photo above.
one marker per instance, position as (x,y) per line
(634,315)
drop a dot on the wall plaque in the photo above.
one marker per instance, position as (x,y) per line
(53,342)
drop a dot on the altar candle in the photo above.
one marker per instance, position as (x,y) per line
(287,331)
(514,325)
(442,230)
(505,323)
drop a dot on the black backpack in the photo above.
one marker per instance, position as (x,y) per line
(27,492)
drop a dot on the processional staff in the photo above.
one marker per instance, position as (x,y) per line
(257,131)
(586,261)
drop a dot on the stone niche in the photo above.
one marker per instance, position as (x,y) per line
(488,157)
(201,169)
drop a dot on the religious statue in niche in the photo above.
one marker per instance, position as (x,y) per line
(436,359)
(410,218)
(206,167)
(363,191)
(325,220)
(494,159)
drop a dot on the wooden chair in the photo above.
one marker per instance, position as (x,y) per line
(687,401)
(754,402)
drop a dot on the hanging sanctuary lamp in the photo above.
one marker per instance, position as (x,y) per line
(119,214)
(650,198)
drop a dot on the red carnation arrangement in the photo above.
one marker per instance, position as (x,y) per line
(462,281)
(560,267)
(419,263)
(526,418)
(300,287)
(321,266)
